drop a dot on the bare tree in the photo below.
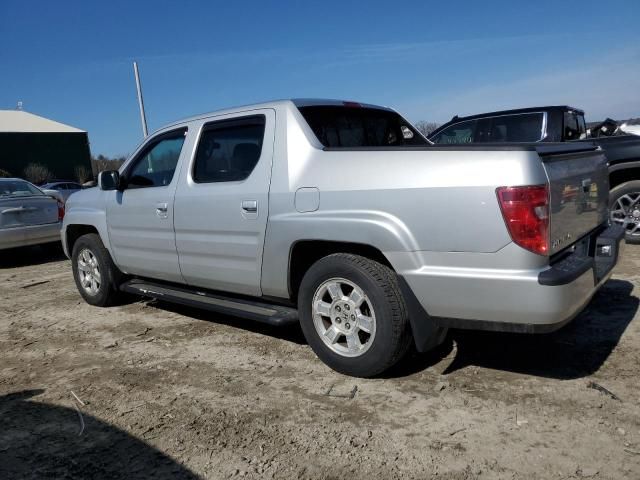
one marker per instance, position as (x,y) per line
(83,174)
(425,127)
(102,163)
(37,173)
(5,174)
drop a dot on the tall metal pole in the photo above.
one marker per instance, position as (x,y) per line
(143,117)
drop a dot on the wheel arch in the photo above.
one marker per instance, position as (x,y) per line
(304,253)
(624,172)
(73,232)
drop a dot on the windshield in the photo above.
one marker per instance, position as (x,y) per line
(18,188)
(356,126)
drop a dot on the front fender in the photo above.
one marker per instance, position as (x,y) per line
(86,208)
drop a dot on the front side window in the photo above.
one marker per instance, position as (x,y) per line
(582,126)
(156,165)
(229,150)
(571,127)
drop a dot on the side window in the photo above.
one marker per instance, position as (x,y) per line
(458,133)
(571,131)
(229,150)
(526,127)
(582,127)
(156,164)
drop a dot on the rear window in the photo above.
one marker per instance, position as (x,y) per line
(18,188)
(345,126)
(525,127)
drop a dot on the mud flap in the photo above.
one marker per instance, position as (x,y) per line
(427,334)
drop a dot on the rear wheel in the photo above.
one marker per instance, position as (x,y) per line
(624,207)
(353,314)
(96,276)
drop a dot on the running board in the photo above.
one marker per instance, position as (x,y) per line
(276,315)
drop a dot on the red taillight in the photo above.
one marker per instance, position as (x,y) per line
(526,213)
(60,211)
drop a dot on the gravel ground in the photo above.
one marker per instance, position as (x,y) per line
(170,392)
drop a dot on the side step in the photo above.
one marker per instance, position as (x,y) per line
(262,312)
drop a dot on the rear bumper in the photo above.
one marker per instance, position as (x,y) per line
(532,301)
(29,235)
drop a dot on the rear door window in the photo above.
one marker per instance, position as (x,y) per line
(229,150)
(358,126)
(525,127)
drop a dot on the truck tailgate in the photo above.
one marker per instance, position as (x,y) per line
(579,191)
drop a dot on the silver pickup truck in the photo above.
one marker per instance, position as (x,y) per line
(341,216)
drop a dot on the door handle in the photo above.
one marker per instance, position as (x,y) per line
(250,206)
(162,209)
(19,209)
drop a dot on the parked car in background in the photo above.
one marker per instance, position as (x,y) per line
(561,124)
(63,187)
(28,216)
(339,215)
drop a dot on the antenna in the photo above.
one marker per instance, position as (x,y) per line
(143,117)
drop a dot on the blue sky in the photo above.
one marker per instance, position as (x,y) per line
(71,60)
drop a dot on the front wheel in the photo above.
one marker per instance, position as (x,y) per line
(624,207)
(94,272)
(353,314)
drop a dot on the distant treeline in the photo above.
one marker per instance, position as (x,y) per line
(38,173)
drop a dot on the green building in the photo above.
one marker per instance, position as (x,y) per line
(26,138)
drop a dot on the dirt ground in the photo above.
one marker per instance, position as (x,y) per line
(171,392)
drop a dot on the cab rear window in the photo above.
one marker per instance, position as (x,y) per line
(352,127)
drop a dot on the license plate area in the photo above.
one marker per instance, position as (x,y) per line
(606,250)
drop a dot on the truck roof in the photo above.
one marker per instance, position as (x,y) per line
(563,108)
(297,102)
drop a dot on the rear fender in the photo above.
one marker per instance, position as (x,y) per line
(376,229)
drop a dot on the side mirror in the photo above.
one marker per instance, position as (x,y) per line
(109,180)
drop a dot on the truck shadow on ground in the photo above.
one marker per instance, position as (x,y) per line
(36,255)
(40,440)
(290,333)
(577,350)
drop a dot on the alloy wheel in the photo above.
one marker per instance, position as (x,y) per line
(344,317)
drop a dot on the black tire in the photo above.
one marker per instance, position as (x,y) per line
(380,285)
(632,187)
(108,292)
